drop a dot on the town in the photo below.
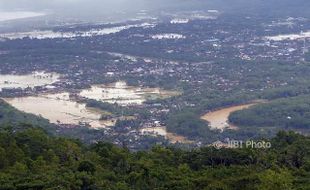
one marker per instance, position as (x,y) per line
(197,61)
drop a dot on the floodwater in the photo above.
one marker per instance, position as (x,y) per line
(58,108)
(302,35)
(168,36)
(219,119)
(5,16)
(124,95)
(30,80)
(49,34)
(162,131)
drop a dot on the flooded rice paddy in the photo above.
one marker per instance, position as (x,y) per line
(32,80)
(58,109)
(123,94)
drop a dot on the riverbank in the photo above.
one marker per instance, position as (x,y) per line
(218,119)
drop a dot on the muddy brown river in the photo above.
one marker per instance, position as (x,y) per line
(219,119)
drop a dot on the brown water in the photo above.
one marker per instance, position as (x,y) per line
(123,94)
(161,131)
(31,80)
(219,119)
(58,108)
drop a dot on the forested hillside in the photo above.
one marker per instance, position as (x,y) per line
(10,116)
(286,113)
(33,160)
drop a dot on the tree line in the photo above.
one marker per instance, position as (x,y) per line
(31,159)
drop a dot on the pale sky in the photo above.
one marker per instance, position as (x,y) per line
(108,6)
(91,9)
(81,4)
(56,4)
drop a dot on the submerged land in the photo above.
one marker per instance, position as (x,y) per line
(188,78)
(191,95)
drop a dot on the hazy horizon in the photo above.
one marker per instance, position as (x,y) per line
(91,10)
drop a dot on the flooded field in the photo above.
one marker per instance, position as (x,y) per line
(49,34)
(302,35)
(31,80)
(161,131)
(58,109)
(5,16)
(168,36)
(219,119)
(123,94)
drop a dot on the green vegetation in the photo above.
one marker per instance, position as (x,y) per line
(205,85)
(116,110)
(189,124)
(112,108)
(288,113)
(30,159)
(11,116)
(266,81)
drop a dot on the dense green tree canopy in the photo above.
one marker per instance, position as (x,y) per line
(30,159)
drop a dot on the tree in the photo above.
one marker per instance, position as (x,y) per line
(275,180)
(87,166)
